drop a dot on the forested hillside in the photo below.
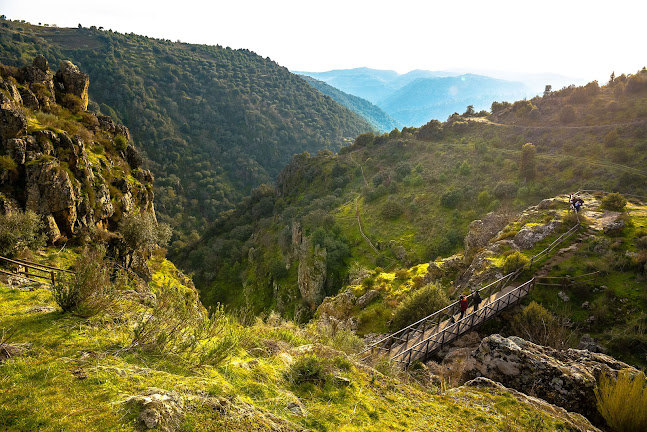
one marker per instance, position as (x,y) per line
(404,198)
(214,122)
(373,114)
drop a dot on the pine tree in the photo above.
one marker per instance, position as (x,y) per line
(528,166)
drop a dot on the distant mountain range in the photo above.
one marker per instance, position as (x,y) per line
(414,98)
(371,113)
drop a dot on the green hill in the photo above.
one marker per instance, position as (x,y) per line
(214,122)
(373,114)
(408,197)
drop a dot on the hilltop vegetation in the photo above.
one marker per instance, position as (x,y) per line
(214,122)
(418,96)
(407,197)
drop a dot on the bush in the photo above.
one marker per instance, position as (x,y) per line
(419,304)
(450,199)
(536,324)
(89,290)
(567,114)
(20,230)
(307,369)
(623,401)
(505,190)
(121,143)
(391,210)
(515,261)
(614,202)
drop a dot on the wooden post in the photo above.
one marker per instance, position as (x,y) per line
(53,277)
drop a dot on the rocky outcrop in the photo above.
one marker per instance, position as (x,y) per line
(564,378)
(574,420)
(73,178)
(159,409)
(72,81)
(481,231)
(312,273)
(50,191)
(13,122)
(528,236)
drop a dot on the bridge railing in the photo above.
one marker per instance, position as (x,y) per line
(405,335)
(430,345)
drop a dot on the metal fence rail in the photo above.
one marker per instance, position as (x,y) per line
(452,331)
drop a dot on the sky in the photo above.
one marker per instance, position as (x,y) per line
(582,39)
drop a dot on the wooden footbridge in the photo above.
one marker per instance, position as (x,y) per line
(422,339)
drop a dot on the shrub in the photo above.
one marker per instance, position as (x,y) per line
(141,233)
(515,261)
(391,210)
(567,114)
(7,163)
(641,242)
(121,143)
(504,190)
(20,230)
(611,138)
(623,401)
(450,199)
(614,202)
(89,290)
(365,139)
(419,304)
(536,324)
(176,325)
(307,369)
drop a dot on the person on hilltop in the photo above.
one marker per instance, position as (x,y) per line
(575,202)
(463,303)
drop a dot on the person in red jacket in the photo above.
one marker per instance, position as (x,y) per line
(463,303)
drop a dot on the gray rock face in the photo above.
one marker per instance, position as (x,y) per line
(160,409)
(50,191)
(575,420)
(367,298)
(527,237)
(338,306)
(312,273)
(12,121)
(481,231)
(564,378)
(74,82)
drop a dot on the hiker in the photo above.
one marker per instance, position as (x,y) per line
(477,300)
(463,303)
(576,203)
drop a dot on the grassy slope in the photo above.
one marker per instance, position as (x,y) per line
(78,372)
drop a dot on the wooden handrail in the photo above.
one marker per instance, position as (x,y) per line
(35,266)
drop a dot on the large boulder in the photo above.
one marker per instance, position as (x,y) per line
(12,120)
(312,273)
(159,409)
(565,378)
(530,235)
(481,231)
(50,191)
(73,81)
(574,420)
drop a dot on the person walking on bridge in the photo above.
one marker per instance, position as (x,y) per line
(477,300)
(463,303)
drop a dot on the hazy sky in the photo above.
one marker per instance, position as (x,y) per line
(583,39)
